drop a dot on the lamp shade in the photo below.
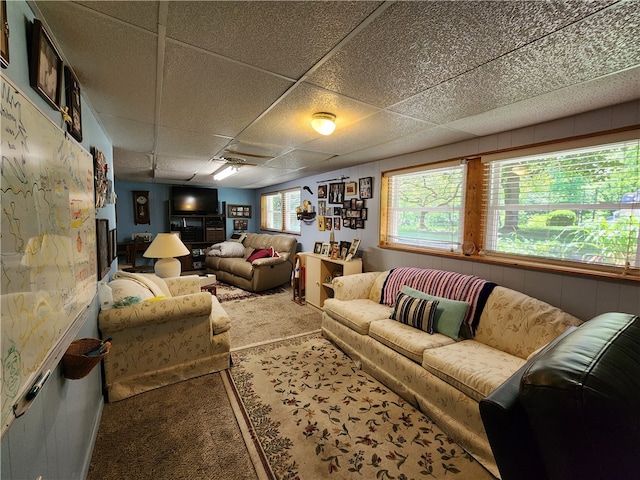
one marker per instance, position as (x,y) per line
(166,246)
(324,123)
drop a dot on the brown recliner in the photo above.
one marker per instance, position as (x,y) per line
(571,412)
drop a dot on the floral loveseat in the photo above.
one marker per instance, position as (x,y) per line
(253,261)
(482,334)
(166,331)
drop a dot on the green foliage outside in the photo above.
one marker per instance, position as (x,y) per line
(591,230)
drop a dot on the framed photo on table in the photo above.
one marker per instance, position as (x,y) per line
(45,66)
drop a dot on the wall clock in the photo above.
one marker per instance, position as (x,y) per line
(141,207)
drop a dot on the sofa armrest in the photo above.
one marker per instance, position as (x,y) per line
(220,321)
(183,285)
(268,261)
(351,287)
(146,313)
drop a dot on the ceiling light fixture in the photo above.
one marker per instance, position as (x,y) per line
(324,123)
(225,172)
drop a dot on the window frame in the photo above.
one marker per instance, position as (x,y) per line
(475,211)
(387,233)
(264,213)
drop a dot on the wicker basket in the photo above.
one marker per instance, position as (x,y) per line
(78,365)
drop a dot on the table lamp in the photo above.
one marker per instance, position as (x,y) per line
(165,247)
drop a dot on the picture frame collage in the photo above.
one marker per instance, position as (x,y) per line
(349,213)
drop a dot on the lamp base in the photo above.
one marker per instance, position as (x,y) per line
(168,267)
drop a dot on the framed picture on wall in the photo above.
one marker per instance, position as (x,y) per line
(72,96)
(366,187)
(45,66)
(102,247)
(4,35)
(113,244)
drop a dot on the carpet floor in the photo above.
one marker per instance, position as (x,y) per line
(310,413)
(287,410)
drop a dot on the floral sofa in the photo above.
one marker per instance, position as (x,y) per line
(163,331)
(481,334)
(253,261)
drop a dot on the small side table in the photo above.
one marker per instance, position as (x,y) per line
(208,288)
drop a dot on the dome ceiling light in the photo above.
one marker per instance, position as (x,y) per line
(324,123)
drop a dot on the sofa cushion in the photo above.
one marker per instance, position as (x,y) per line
(406,340)
(415,312)
(519,324)
(236,266)
(356,314)
(449,313)
(470,366)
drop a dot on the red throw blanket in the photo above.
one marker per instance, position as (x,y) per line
(441,283)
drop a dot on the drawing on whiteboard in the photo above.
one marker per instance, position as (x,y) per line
(48,254)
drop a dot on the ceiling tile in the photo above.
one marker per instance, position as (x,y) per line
(417,45)
(142,14)
(250,32)
(129,134)
(297,159)
(289,122)
(191,94)
(613,46)
(592,95)
(174,141)
(128,164)
(378,128)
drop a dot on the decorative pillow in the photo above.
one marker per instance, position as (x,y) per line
(122,288)
(415,312)
(237,237)
(449,314)
(259,253)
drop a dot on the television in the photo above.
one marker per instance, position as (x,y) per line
(194,200)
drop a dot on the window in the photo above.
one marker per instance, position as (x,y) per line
(424,206)
(279,211)
(575,205)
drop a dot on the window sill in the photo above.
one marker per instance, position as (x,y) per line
(559,267)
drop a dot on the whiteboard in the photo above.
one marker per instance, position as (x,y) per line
(48,239)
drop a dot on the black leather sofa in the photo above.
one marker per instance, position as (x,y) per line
(573,410)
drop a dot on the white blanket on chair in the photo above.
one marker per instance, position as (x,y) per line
(154,283)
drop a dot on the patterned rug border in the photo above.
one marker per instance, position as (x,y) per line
(448,449)
(243,294)
(269,344)
(256,453)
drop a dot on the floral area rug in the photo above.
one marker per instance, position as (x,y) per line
(309,413)
(227,293)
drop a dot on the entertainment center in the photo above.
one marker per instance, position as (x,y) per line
(194,214)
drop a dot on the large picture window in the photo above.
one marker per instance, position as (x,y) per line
(563,206)
(424,207)
(577,205)
(279,211)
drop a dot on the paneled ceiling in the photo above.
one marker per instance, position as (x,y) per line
(181,86)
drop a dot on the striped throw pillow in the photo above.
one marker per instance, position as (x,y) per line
(415,312)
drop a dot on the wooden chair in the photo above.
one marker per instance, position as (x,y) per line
(133,256)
